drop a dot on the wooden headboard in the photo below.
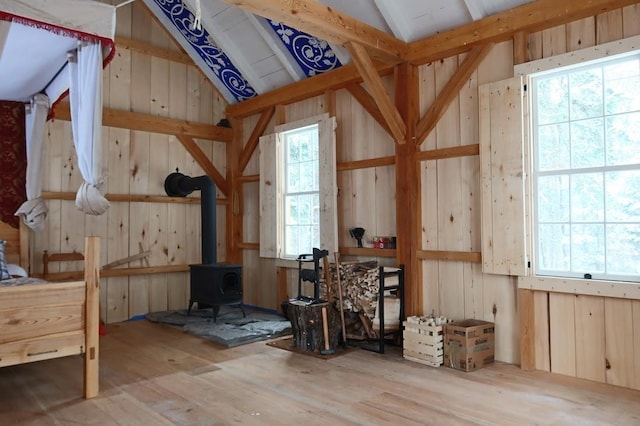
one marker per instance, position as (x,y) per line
(17,247)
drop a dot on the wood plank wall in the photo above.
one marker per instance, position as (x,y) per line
(136,163)
(450,207)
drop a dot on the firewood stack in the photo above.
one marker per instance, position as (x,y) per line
(360,287)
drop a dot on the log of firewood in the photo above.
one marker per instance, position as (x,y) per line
(306,325)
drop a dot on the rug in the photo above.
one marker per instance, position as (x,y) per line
(230,329)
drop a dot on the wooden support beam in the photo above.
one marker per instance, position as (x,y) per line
(369,104)
(254,139)
(128,259)
(457,256)
(249,178)
(453,152)
(234,211)
(153,124)
(365,164)
(326,23)
(201,158)
(368,72)
(132,198)
(155,51)
(450,91)
(408,189)
(304,89)
(249,246)
(530,17)
(124,272)
(366,252)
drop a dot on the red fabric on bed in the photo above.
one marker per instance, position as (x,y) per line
(13,160)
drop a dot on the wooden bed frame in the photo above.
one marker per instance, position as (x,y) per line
(51,320)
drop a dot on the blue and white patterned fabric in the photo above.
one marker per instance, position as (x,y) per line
(202,43)
(313,55)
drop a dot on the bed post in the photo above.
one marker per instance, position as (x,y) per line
(25,255)
(92,317)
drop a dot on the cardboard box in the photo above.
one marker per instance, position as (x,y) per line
(469,344)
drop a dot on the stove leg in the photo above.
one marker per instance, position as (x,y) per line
(244,315)
(190,305)
(216,309)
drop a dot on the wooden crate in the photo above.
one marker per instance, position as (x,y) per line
(423,343)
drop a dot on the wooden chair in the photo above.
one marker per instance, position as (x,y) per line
(58,257)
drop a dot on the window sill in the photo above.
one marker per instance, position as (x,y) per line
(622,290)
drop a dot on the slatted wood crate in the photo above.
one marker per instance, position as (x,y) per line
(423,343)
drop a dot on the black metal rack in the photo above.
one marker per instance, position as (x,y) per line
(398,289)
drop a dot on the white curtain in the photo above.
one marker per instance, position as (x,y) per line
(34,210)
(85,97)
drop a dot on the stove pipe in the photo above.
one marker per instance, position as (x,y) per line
(179,185)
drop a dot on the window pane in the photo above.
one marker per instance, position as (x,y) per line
(307,176)
(622,249)
(553,198)
(291,237)
(554,248)
(554,150)
(587,143)
(586,93)
(587,197)
(623,197)
(622,87)
(587,190)
(623,139)
(553,100)
(587,249)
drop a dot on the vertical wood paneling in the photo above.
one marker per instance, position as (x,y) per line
(609,26)
(554,41)
(635,324)
(581,34)
(562,333)
(118,171)
(541,326)
(139,162)
(619,342)
(590,338)
(631,20)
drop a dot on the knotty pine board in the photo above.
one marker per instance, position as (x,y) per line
(631,20)
(541,330)
(562,333)
(590,338)
(619,344)
(609,26)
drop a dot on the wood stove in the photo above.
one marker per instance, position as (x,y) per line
(216,285)
(211,283)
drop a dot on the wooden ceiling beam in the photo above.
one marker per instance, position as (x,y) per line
(201,158)
(153,124)
(367,70)
(304,89)
(448,93)
(326,23)
(155,51)
(530,17)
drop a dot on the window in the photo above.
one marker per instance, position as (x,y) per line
(298,190)
(301,195)
(586,169)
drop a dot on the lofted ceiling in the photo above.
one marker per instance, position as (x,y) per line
(245,50)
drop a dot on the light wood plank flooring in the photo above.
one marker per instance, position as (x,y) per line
(156,375)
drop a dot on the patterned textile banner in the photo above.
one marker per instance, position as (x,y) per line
(13,160)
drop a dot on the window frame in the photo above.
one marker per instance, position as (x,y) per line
(272,184)
(595,287)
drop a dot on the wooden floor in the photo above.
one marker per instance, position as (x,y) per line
(154,374)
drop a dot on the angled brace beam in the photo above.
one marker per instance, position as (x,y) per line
(450,91)
(368,72)
(368,103)
(192,147)
(254,139)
